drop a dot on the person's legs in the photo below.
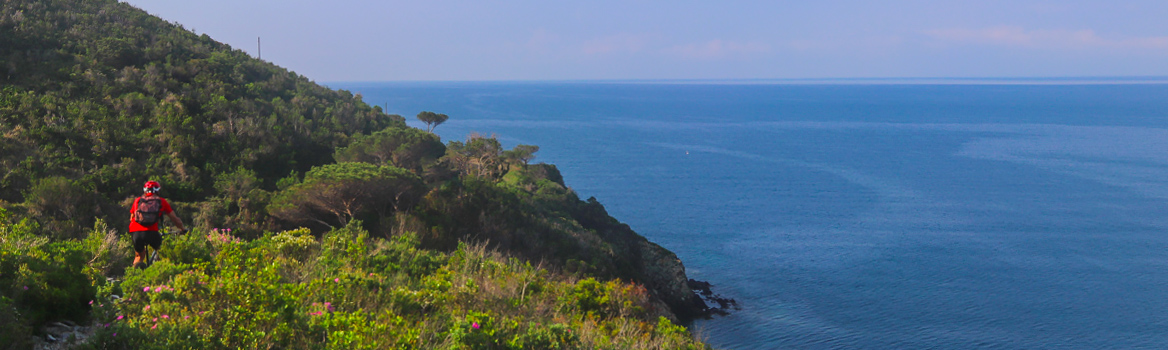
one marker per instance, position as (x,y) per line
(154,239)
(140,240)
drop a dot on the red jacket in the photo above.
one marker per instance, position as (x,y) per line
(135,226)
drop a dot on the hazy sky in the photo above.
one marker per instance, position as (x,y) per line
(355,40)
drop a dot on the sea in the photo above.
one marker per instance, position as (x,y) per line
(867,214)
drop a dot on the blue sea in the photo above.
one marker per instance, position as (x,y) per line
(1007,214)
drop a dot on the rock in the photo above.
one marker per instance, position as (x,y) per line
(704,289)
(664,273)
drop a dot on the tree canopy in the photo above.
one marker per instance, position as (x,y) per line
(404,148)
(334,194)
(432,119)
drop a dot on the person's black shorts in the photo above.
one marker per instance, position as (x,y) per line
(143,238)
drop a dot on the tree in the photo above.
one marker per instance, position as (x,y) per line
(64,207)
(334,194)
(522,153)
(406,148)
(432,119)
(479,156)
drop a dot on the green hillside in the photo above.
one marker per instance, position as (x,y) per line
(319,221)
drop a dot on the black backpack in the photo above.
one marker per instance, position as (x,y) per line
(149,210)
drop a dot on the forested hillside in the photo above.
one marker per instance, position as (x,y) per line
(320,222)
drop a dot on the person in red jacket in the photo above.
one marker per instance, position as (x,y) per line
(144,218)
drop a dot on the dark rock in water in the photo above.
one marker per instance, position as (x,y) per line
(703,290)
(700,287)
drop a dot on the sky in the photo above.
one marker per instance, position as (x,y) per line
(488,40)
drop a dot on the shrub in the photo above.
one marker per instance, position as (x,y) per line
(112,252)
(44,280)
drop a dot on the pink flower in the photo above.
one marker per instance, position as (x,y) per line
(25,287)
(474,325)
(154,326)
(107,325)
(186,317)
(91,302)
(156,319)
(120,317)
(336,280)
(166,316)
(157,289)
(115,334)
(147,307)
(147,289)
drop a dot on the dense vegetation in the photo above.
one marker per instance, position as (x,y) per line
(321,222)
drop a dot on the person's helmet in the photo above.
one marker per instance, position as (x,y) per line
(151,187)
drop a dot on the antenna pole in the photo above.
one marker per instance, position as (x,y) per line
(259,49)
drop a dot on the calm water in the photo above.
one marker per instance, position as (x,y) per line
(868,216)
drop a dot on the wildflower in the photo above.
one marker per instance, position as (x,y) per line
(120,317)
(107,325)
(25,287)
(474,325)
(186,317)
(154,326)
(147,307)
(115,334)
(336,280)
(91,302)
(166,316)
(156,319)
(147,289)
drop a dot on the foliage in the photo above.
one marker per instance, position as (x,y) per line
(334,194)
(404,148)
(479,156)
(42,279)
(432,119)
(358,293)
(522,153)
(106,96)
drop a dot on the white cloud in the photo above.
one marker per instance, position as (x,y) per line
(619,43)
(1021,37)
(718,49)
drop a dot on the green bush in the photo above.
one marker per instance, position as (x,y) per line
(190,248)
(14,331)
(111,250)
(554,336)
(44,280)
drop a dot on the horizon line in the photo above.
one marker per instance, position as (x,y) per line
(1068,80)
